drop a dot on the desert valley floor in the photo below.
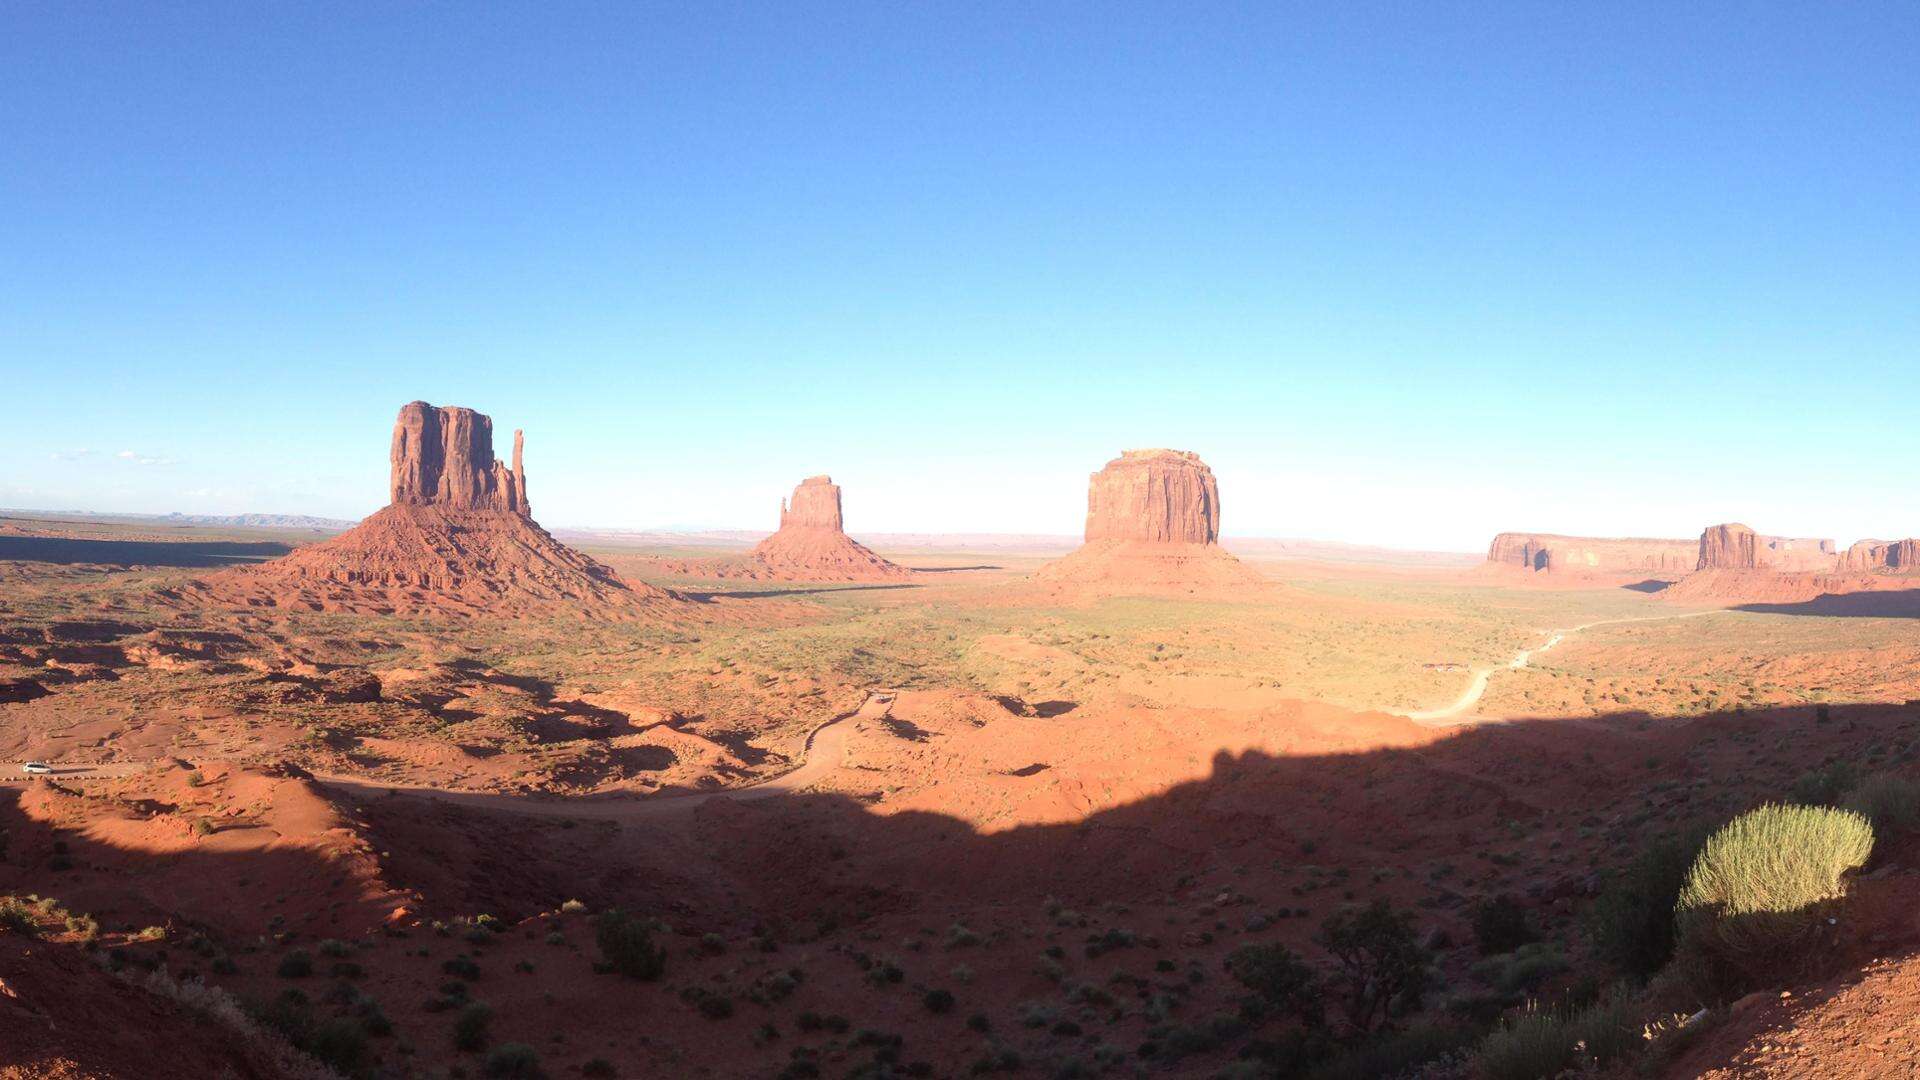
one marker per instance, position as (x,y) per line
(968,822)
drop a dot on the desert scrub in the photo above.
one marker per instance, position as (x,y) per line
(1536,1045)
(626,945)
(1826,786)
(470,1031)
(1753,899)
(17,917)
(515,1060)
(297,964)
(1631,923)
(1891,802)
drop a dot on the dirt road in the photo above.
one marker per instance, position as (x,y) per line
(1457,713)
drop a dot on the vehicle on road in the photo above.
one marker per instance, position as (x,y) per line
(34,767)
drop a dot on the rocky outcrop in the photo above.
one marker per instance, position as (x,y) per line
(444,457)
(815,505)
(1155,496)
(811,546)
(1882,557)
(1738,547)
(1153,524)
(457,538)
(1552,553)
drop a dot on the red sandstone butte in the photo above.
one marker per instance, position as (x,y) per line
(812,546)
(457,538)
(1882,557)
(1738,547)
(1552,553)
(1153,522)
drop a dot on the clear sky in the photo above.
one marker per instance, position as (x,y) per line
(1406,273)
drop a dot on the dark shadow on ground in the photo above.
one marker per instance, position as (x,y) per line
(190,553)
(1890,604)
(1651,585)
(1533,808)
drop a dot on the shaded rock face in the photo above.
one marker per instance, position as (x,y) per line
(1156,496)
(1548,552)
(1883,556)
(444,457)
(1738,547)
(1729,547)
(12,690)
(815,505)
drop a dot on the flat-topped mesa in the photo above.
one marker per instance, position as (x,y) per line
(1549,552)
(1153,525)
(1882,556)
(1737,547)
(443,456)
(815,505)
(1156,496)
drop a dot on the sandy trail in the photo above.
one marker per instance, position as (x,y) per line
(1477,686)
(11,775)
(825,750)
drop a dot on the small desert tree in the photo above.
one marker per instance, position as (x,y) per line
(1281,979)
(1381,960)
(1754,898)
(626,944)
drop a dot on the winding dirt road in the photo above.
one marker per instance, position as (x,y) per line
(825,750)
(1477,687)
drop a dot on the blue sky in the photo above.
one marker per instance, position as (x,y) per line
(1402,273)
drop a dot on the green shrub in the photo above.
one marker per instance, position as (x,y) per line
(938,1001)
(1500,925)
(1753,899)
(1394,1053)
(1280,978)
(471,1029)
(16,916)
(297,964)
(1523,969)
(515,1060)
(1631,922)
(626,944)
(1826,786)
(1382,964)
(1890,801)
(340,1043)
(1539,1045)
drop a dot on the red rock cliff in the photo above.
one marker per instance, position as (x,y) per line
(1551,552)
(815,505)
(1159,496)
(1738,547)
(444,457)
(1868,556)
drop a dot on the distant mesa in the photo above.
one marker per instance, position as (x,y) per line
(1555,554)
(1882,556)
(811,545)
(456,538)
(1153,523)
(1738,547)
(1738,565)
